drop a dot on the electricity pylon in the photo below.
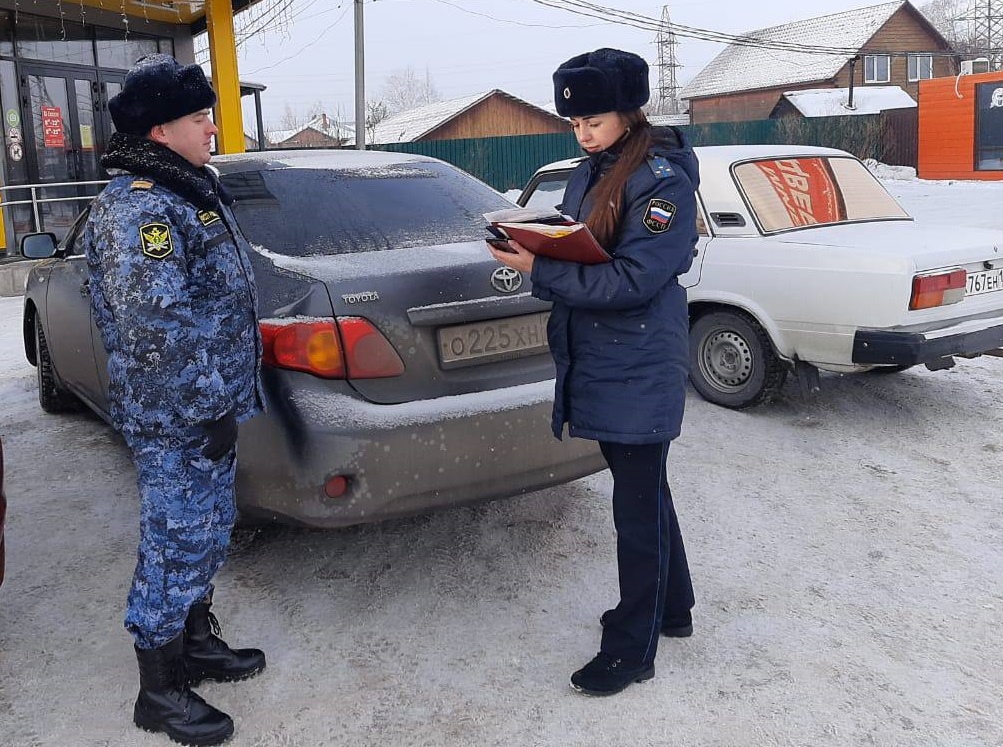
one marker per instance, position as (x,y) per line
(668,85)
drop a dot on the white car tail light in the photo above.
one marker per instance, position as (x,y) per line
(938,289)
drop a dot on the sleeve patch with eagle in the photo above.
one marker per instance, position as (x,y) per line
(156,240)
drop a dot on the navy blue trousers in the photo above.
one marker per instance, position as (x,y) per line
(187,511)
(654,576)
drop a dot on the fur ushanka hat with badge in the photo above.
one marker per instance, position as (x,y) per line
(606,80)
(159,89)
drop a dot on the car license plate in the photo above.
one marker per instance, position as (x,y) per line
(493,339)
(986,281)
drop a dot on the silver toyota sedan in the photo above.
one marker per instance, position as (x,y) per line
(405,370)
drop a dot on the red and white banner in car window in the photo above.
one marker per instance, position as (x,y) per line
(806,188)
(52,127)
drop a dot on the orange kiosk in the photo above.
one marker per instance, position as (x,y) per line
(961,127)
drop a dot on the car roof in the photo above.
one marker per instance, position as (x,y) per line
(314,158)
(726,154)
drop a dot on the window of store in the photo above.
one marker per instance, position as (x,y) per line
(118,52)
(989,127)
(54,40)
(6,36)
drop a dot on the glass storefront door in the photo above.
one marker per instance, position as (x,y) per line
(65,132)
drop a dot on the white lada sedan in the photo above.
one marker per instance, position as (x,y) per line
(805,262)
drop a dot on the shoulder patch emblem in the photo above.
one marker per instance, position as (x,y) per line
(208,217)
(156,240)
(660,167)
(658,217)
(141,184)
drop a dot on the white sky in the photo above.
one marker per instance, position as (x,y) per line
(311,57)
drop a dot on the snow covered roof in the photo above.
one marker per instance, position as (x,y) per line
(321,123)
(831,102)
(663,120)
(409,126)
(747,68)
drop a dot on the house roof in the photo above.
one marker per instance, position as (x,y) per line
(831,102)
(411,125)
(748,68)
(323,124)
(662,120)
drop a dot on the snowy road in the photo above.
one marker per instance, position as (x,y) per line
(847,554)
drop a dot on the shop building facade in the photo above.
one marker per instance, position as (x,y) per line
(60,63)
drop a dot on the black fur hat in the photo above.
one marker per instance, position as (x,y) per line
(606,80)
(159,89)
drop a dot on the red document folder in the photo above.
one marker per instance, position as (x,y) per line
(571,242)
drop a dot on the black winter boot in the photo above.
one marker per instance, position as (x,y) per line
(207,657)
(166,702)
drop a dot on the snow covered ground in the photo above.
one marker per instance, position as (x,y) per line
(847,554)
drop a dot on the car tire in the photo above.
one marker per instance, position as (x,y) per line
(51,396)
(732,362)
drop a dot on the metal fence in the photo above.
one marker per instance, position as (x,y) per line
(36,202)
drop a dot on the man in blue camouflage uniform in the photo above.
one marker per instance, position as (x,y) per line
(173,295)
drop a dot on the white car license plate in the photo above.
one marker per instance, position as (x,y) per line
(493,339)
(986,281)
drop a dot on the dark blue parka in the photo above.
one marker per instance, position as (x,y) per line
(172,293)
(619,331)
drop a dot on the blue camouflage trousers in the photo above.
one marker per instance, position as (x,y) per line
(187,512)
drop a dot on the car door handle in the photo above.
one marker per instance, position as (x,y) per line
(85,288)
(696,252)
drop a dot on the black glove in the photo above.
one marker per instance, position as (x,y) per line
(221,436)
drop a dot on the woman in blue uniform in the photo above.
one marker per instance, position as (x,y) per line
(619,336)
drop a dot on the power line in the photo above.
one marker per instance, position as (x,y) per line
(646,23)
(305,46)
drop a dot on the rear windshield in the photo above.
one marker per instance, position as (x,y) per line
(311,212)
(799,192)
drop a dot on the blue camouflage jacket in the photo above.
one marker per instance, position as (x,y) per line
(619,331)
(172,293)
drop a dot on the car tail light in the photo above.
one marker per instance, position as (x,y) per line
(939,289)
(369,354)
(350,347)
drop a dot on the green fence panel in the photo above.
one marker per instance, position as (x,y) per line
(862,135)
(503,162)
(508,162)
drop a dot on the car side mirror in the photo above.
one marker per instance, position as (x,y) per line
(38,245)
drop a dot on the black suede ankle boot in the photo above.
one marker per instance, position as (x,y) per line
(207,657)
(167,704)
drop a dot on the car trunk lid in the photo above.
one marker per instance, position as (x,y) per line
(458,320)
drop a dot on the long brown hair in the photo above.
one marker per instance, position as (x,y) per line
(604,219)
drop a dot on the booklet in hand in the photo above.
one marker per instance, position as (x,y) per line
(546,233)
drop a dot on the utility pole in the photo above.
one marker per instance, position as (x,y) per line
(668,64)
(360,80)
(986,20)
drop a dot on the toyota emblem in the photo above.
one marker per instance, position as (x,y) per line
(506,280)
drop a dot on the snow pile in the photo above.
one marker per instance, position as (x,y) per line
(886,171)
